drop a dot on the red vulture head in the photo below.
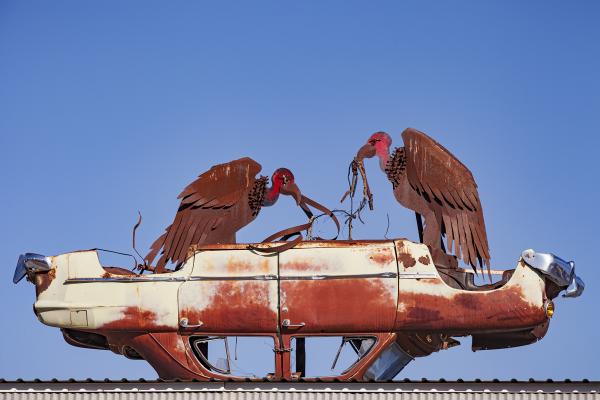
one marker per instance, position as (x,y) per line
(378,144)
(283,182)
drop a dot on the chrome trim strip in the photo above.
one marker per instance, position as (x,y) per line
(126,279)
(133,279)
(328,277)
(417,276)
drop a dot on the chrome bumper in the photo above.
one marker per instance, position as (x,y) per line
(557,270)
(30,262)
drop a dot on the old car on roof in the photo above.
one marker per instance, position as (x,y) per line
(370,306)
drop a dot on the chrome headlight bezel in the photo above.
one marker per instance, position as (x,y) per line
(31,262)
(559,271)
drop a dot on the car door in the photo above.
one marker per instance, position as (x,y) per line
(230,290)
(338,287)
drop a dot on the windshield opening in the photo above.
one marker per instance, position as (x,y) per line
(241,356)
(319,356)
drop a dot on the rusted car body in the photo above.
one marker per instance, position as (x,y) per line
(386,300)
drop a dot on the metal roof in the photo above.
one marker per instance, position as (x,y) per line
(424,389)
(406,380)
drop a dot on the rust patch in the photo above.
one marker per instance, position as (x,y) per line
(301,266)
(407,260)
(344,305)
(310,244)
(116,271)
(237,266)
(174,345)
(424,314)
(340,243)
(467,312)
(43,281)
(136,319)
(235,307)
(382,257)
(424,260)
(474,303)
(163,351)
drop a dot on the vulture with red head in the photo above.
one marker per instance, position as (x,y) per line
(216,205)
(430,180)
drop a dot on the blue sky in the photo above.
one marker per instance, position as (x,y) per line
(111,107)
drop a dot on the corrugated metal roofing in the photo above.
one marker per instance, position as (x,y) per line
(424,389)
(406,380)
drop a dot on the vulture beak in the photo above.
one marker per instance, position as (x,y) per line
(306,210)
(291,189)
(367,151)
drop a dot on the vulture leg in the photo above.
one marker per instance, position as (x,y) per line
(432,231)
(432,237)
(419,226)
(228,239)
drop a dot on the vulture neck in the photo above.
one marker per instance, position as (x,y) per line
(272,194)
(395,167)
(384,156)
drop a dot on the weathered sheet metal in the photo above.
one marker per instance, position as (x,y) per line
(77,297)
(390,290)
(166,352)
(429,305)
(233,291)
(339,289)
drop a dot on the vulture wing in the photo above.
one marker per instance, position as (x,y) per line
(442,179)
(206,204)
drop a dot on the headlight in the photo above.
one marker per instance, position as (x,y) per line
(549,308)
(30,262)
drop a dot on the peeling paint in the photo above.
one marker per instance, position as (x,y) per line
(324,287)
(43,281)
(382,256)
(337,306)
(136,319)
(233,307)
(236,305)
(434,306)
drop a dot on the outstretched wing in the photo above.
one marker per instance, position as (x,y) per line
(442,179)
(205,205)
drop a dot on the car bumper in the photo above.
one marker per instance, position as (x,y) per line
(559,271)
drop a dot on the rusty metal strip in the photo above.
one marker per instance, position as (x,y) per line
(126,279)
(349,276)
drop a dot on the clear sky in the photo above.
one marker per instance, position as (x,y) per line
(111,107)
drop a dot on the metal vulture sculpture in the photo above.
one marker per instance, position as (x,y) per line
(385,299)
(428,179)
(219,203)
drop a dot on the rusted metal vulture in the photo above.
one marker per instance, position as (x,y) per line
(428,179)
(219,203)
